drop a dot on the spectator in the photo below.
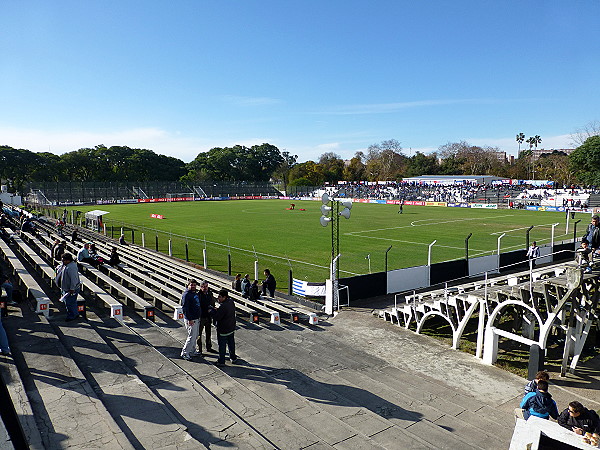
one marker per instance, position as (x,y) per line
(67,278)
(236,284)
(58,249)
(592,234)
(4,348)
(190,304)
(207,301)
(74,235)
(269,284)
(254,292)
(224,317)
(579,419)
(114,259)
(583,255)
(538,403)
(7,286)
(122,240)
(245,285)
(532,385)
(533,253)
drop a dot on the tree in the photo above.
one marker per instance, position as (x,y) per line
(579,136)
(283,171)
(385,161)
(355,170)
(520,139)
(332,166)
(306,174)
(585,160)
(421,164)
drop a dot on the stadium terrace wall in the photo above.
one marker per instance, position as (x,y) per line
(419,277)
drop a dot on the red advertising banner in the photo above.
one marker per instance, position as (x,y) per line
(157,216)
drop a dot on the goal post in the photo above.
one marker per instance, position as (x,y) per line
(180,196)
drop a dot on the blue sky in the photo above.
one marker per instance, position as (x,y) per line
(308,76)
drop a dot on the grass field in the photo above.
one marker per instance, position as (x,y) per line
(280,239)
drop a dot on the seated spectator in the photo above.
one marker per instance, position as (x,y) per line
(538,403)
(114,260)
(254,292)
(245,285)
(84,255)
(579,419)
(532,385)
(122,240)
(236,284)
(7,286)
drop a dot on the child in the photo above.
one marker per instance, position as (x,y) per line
(583,255)
(532,385)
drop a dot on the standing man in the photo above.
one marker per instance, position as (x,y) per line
(401,205)
(190,304)
(224,316)
(67,278)
(207,301)
(269,284)
(533,253)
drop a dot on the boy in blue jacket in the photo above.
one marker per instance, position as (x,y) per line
(539,403)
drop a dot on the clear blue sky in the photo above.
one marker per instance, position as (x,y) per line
(308,76)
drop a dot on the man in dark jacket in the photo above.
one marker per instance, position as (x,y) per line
(190,304)
(579,419)
(269,284)
(206,301)
(224,317)
(539,403)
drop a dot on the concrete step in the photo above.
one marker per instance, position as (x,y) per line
(337,396)
(63,402)
(277,428)
(139,412)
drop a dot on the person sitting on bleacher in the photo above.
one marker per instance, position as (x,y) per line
(7,286)
(245,285)
(83,255)
(99,260)
(579,419)
(532,385)
(269,284)
(538,403)
(114,260)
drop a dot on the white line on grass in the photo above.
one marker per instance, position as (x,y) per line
(430,222)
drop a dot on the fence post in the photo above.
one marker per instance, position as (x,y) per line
(132,236)
(229,264)
(467,246)
(204,258)
(170,248)
(143,240)
(256,270)
(290,284)
(527,237)
(187,256)
(156,241)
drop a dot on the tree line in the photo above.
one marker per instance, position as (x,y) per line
(260,163)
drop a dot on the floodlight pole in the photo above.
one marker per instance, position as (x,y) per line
(499,237)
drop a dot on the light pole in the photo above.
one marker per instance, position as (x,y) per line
(330,210)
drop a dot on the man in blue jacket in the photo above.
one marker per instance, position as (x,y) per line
(539,403)
(190,304)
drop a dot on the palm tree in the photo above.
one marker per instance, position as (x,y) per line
(520,139)
(533,141)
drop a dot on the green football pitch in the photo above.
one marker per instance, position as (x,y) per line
(280,239)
